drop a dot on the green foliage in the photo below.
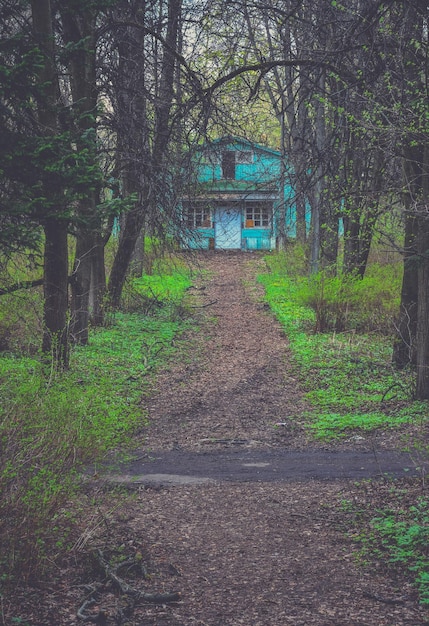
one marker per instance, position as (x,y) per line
(402,538)
(346,302)
(162,291)
(348,377)
(20,321)
(52,424)
(21,312)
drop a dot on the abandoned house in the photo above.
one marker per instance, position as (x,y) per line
(241,202)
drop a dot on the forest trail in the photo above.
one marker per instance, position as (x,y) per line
(231,410)
(250,550)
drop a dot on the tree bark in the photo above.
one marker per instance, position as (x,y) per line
(146,174)
(88,283)
(422,334)
(55,335)
(404,347)
(132,152)
(55,287)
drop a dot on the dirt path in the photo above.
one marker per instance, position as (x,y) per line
(235,388)
(261,552)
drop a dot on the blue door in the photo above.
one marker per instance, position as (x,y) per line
(228,229)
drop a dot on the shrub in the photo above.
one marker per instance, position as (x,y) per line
(330,297)
(346,302)
(348,377)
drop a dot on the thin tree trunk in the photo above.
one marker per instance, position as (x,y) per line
(404,347)
(89,283)
(130,229)
(55,335)
(422,334)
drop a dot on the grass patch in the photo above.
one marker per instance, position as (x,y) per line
(347,376)
(402,538)
(390,528)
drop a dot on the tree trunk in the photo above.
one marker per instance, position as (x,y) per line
(55,286)
(130,229)
(88,283)
(318,196)
(404,347)
(143,172)
(358,235)
(422,334)
(55,335)
(80,288)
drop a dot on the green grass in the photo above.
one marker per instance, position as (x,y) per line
(403,538)
(396,537)
(347,377)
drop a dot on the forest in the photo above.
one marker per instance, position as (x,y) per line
(103,106)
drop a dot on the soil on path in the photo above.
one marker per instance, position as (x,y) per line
(232,409)
(235,388)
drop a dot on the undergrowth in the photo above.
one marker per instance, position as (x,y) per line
(53,424)
(402,538)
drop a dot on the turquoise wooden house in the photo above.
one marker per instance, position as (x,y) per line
(239,203)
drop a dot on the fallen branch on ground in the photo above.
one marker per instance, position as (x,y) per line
(134,595)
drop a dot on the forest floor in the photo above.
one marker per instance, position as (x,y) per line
(228,501)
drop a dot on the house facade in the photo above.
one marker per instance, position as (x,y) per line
(239,203)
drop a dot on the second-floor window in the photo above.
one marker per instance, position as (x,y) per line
(228,164)
(230,158)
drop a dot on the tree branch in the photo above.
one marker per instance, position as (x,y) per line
(24,284)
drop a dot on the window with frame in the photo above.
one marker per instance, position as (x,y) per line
(231,158)
(198,217)
(257,216)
